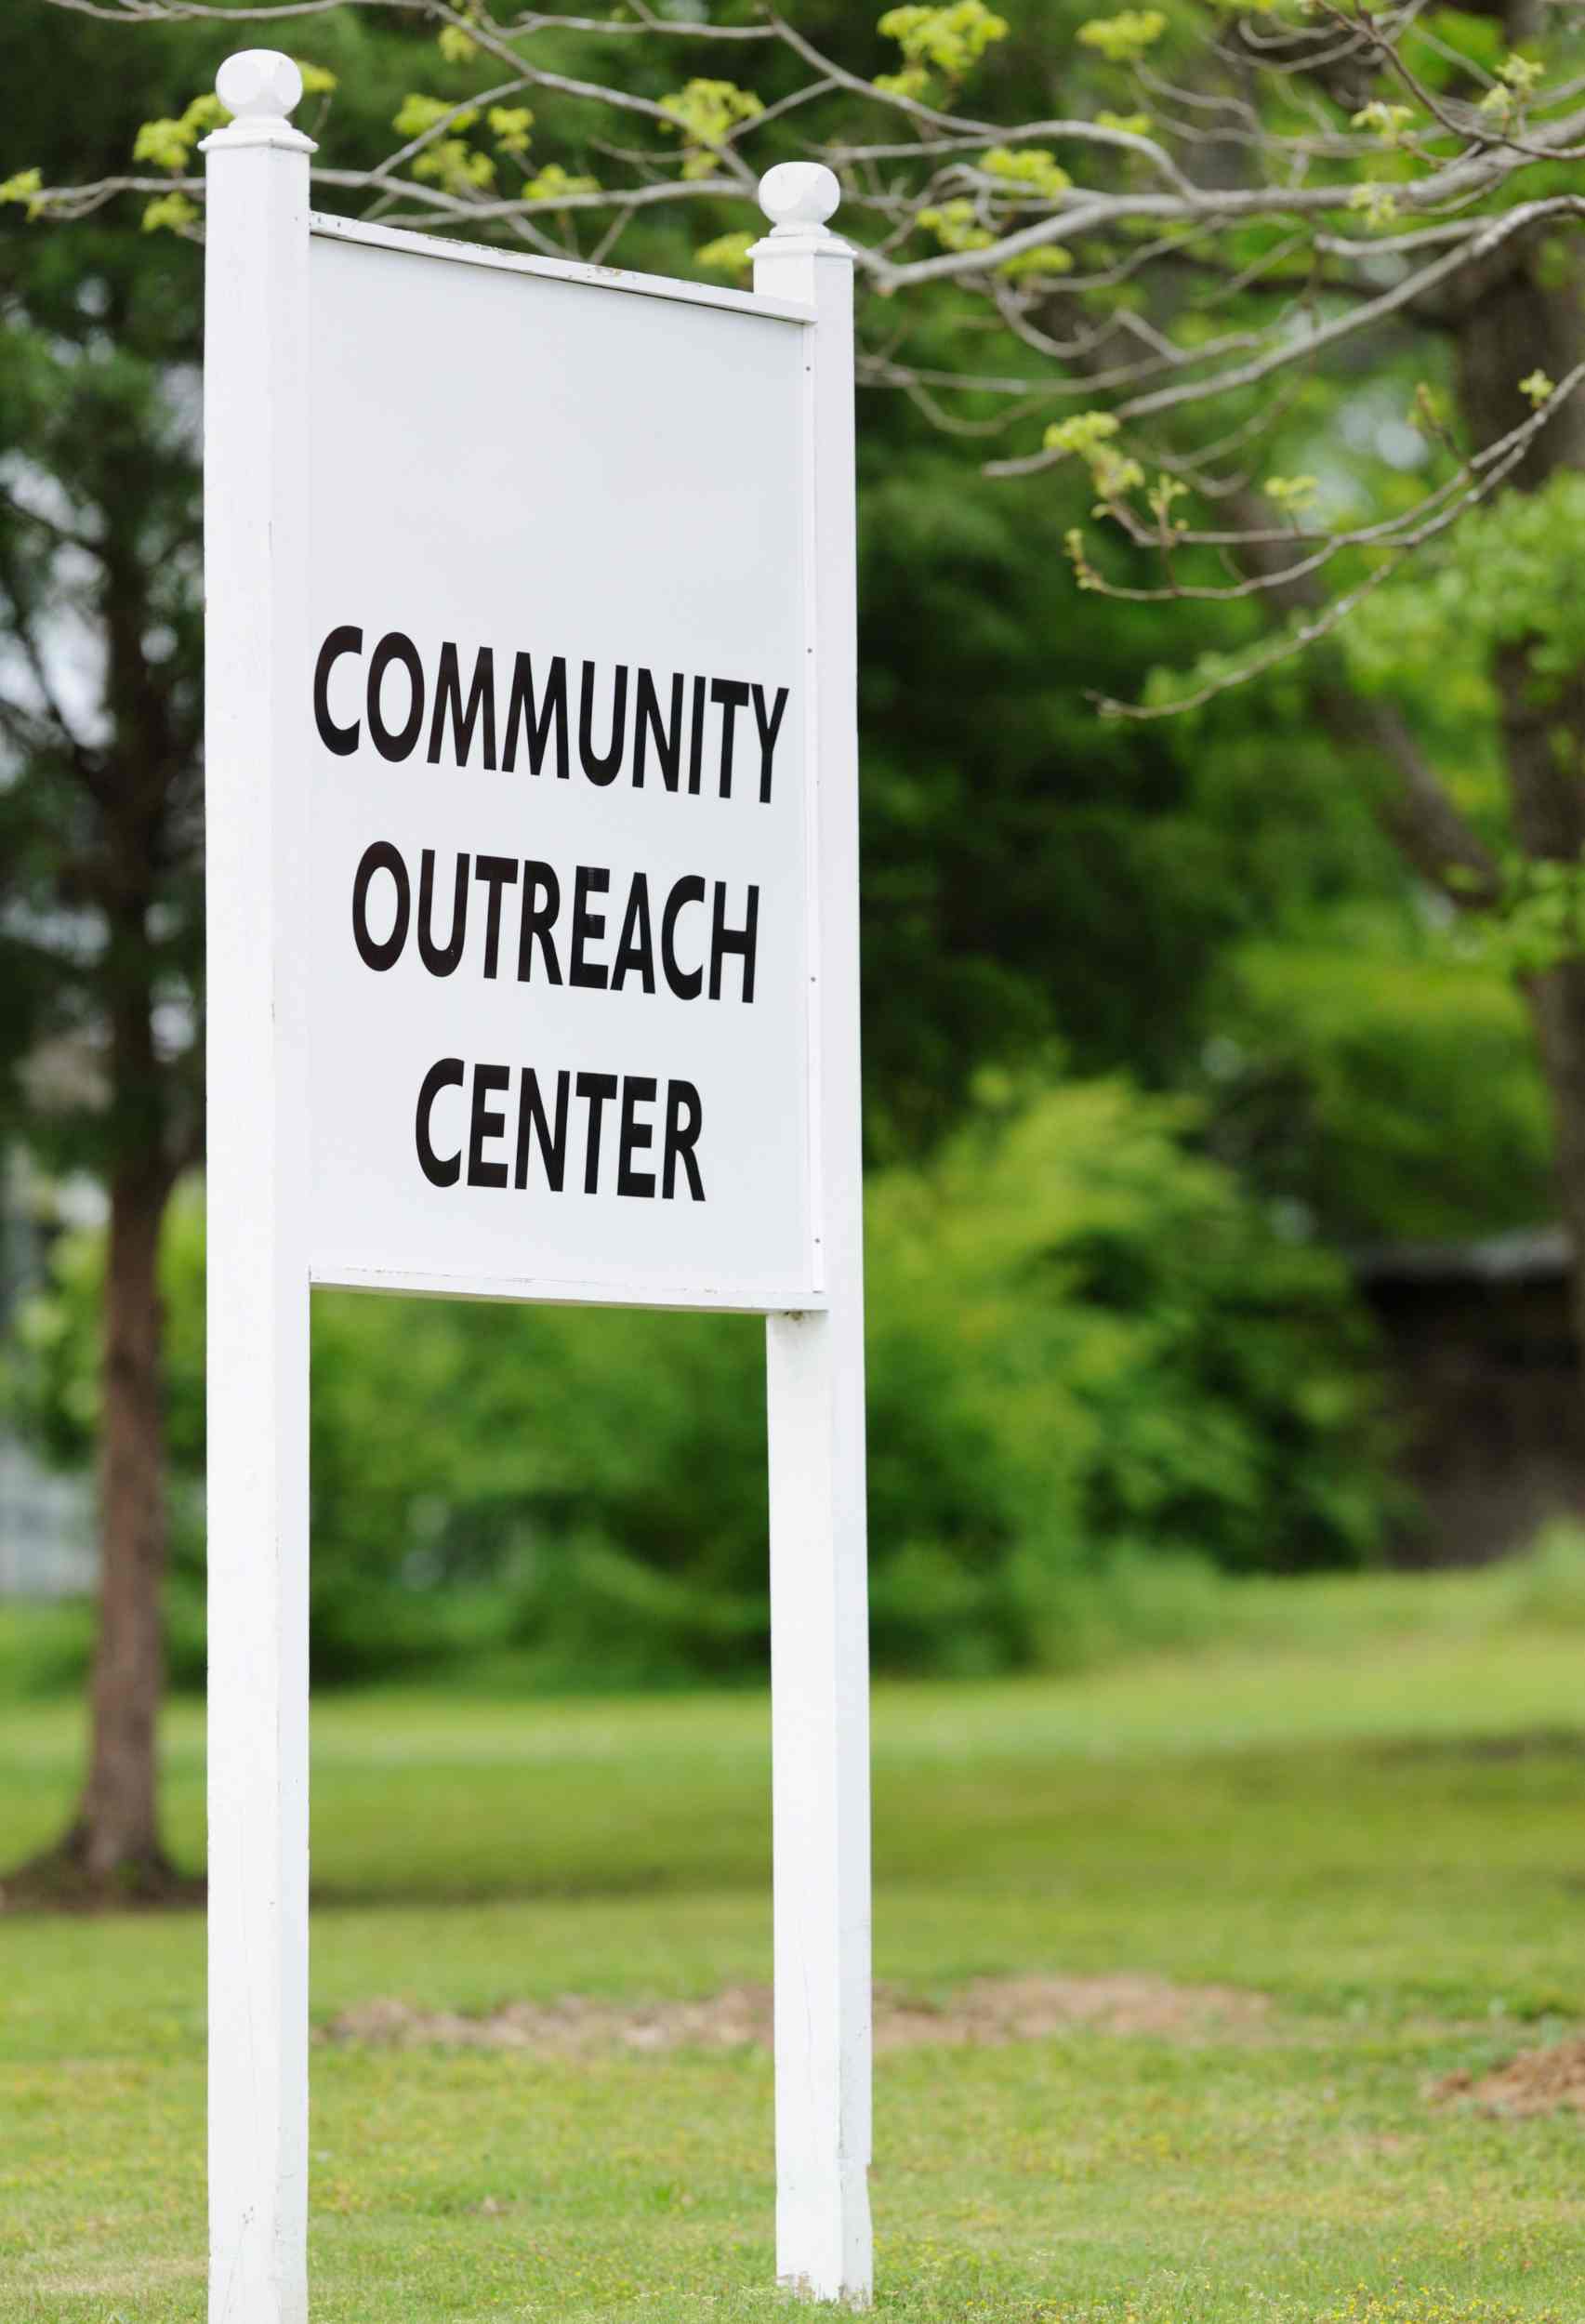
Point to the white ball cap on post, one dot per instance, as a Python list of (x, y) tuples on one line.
[(260, 88), (259, 82), (798, 198)]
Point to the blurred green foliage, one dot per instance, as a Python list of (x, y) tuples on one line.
[(1364, 1052), (1387, 1087), (1086, 1345), (1105, 1357), (1037, 882), (1129, 1606), (1034, 879)]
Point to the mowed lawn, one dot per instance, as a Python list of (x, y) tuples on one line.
[(1383, 1834)]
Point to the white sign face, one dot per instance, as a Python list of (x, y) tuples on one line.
[(558, 909)]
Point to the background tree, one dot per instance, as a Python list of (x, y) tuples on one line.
[(102, 802), (1231, 232), (101, 825), (1036, 884)]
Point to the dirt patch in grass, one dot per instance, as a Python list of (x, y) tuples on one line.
[(1537, 2081), (989, 2011)]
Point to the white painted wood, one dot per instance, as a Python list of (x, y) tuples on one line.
[(263, 495), (549, 531), (750, 1297), (819, 1648), (615, 278), (256, 442)]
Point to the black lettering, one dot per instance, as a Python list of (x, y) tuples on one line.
[(530, 1115), (769, 729), (394, 647), (447, 1075), (696, 739), (742, 940), (602, 769), (538, 919), (481, 711), (496, 872), (380, 856), (636, 949), (587, 927), (342, 740), (535, 723), (596, 1087), (732, 696), (646, 725), (439, 961), (684, 1117), (687, 890), (636, 1090), (486, 1122)]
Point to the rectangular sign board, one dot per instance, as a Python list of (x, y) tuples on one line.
[(559, 900)]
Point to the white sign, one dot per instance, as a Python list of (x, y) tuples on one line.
[(558, 905), (532, 973)]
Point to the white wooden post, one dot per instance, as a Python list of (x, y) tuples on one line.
[(256, 454), (819, 1631)]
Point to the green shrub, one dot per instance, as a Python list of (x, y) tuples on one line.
[(1096, 1371), (1386, 1083)]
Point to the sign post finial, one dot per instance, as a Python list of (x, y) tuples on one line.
[(797, 197), (260, 88)]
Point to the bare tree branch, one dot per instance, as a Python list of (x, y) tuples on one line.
[(1333, 188)]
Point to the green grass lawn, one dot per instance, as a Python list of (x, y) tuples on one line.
[(1381, 1831)]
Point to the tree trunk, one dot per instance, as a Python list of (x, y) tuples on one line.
[(115, 1842), (1557, 1011), (1513, 323)]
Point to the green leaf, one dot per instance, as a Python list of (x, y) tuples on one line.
[(418, 113), (1123, 38), (951, 40), (553, 181), (172, 210), (727, 254), (24, 187), (167, 144), (1029, 168), (510, 125), (706, 112), (955, 226)]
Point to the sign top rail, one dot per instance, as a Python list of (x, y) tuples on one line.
[(425, 245)]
